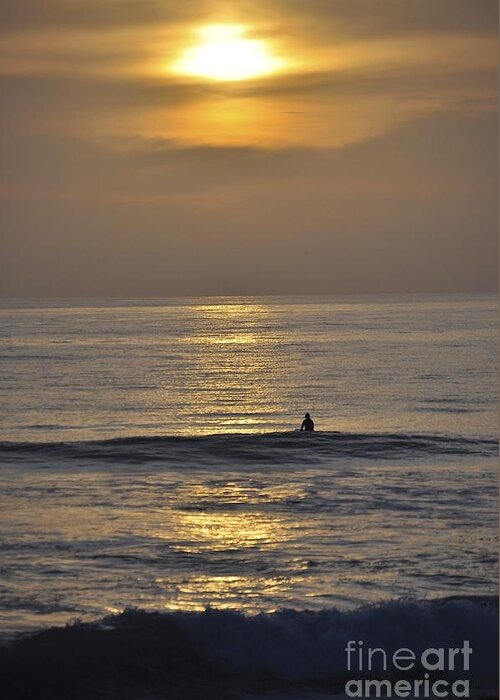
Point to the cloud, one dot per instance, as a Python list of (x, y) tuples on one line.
[(112, 82), (384, 18), (360, 18), (98, 15), (370, 165)]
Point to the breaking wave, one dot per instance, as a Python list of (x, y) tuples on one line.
[(222, 654)]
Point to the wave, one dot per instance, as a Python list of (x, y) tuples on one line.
[(269, 448), (220, 654)]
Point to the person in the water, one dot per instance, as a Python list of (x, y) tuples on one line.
[(307, 423)]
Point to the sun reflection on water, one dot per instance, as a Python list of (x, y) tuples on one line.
[(202, 531), (224, 592)]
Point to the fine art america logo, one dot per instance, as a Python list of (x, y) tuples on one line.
[(432, 662)]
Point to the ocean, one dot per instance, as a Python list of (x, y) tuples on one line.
[(163, 517)]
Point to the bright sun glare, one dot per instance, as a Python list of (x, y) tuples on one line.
[(226, 54)]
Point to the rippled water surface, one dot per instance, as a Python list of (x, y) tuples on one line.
[(72, 371), (136, 472)]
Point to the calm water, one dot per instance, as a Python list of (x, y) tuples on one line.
[(70, 371), (149, 458)]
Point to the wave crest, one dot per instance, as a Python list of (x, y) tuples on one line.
[(270, 448), (216, 648)]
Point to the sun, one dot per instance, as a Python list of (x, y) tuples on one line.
[(225, 53)]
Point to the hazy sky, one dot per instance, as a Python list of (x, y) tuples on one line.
[(157, 147)]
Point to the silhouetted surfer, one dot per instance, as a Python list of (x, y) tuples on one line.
[(307, 423)]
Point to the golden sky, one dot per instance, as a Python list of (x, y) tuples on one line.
[(200, 144)]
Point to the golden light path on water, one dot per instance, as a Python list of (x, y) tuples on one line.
[(163, 518), (254, 541)]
